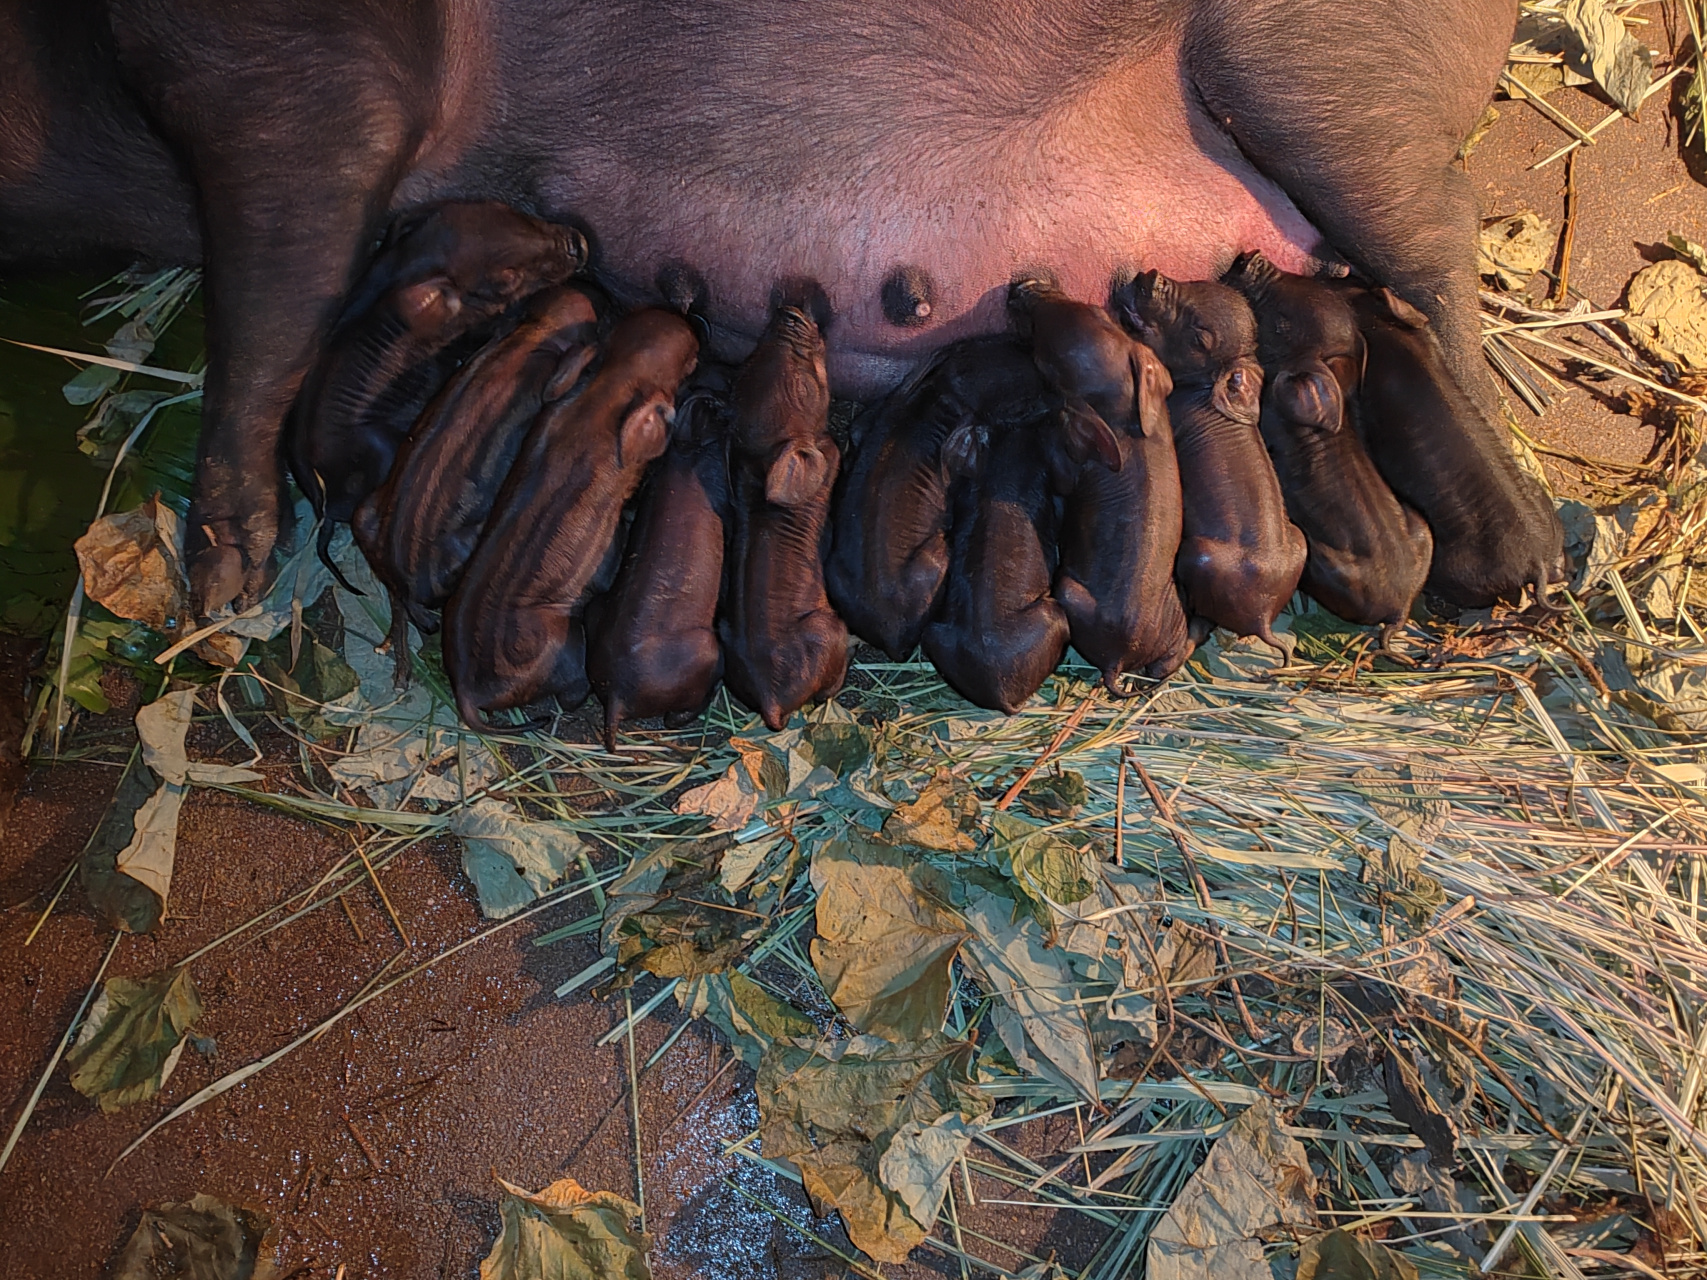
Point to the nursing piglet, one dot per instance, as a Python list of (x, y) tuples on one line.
[(419, 528), (1369, 553), (998, 632), (890, 550), (651, 639), (1114, 461), (513, 626), (416, 315), (1240, 558), (783, 644), (1495, 531)]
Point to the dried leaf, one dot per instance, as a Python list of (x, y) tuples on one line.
[(833, 1111), (132, 564), (1038, 1021), (1339, 1255), (749, 1017), (1514, 249), (199, 1239), (121, 902), (1666, 312), (917, 1163), (1408, 798), (1255, 1178), (1619, 63), (567, 1233), (886, 938), (132, 1039), (729, 801), (669, 914), (511, 861), (945, 816)]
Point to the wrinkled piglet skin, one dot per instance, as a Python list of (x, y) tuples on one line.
[(513, 630), (1111, 453), (420, 310), (998, 631), (1368, 552), (783, 644), (1240, 558), (420, 527), (890, 548), (652, 648), (1495, 531)]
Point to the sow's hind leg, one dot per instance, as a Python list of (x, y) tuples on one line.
[(295, 123), (1375, 172)]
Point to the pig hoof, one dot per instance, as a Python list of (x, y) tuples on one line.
[(216, 578), (907, 297)]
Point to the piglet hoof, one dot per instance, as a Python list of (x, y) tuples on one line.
[(216, 578)]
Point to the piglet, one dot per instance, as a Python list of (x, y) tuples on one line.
[(997, 632), (783, 644), (890, 550), (1369, 553), (513, 626), (652, 640), (417, 313), (1115, 463), (419, 528), (1495, 531), (1240, 558)]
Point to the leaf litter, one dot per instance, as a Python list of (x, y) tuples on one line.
[(1431, 924)]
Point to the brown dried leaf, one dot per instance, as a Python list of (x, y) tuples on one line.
[(132, 564)]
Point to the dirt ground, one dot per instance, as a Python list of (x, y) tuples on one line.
[(374, 1148)]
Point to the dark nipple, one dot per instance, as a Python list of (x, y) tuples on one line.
[(907, 297)]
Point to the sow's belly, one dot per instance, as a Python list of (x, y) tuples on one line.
[(1124, 174)]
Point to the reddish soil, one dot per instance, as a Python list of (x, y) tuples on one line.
[(374, 1148)]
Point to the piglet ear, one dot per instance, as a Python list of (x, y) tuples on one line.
[(1402, 311), (1087, 437), (796, 475), (963, 451), (1311, 398), (645, 431), (428, 302), (1154, 385), (568, 371), (1238, 391)]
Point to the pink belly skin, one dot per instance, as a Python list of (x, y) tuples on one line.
[(1117, 178)]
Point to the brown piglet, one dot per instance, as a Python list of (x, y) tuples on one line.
[(1369, 553), (1495, 530), (424, 305), (998, 632), (420, 527), (513, 626), (783, 645), (1240, 558), (1113, 458), (652, 638)]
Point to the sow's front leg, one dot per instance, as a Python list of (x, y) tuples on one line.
[(295, 121)]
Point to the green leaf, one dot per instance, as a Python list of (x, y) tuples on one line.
[(1055, 795), (202, 1238), (131, 1041), (1041, 863), (567, 1233), (834, 1111), (887, 938)]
